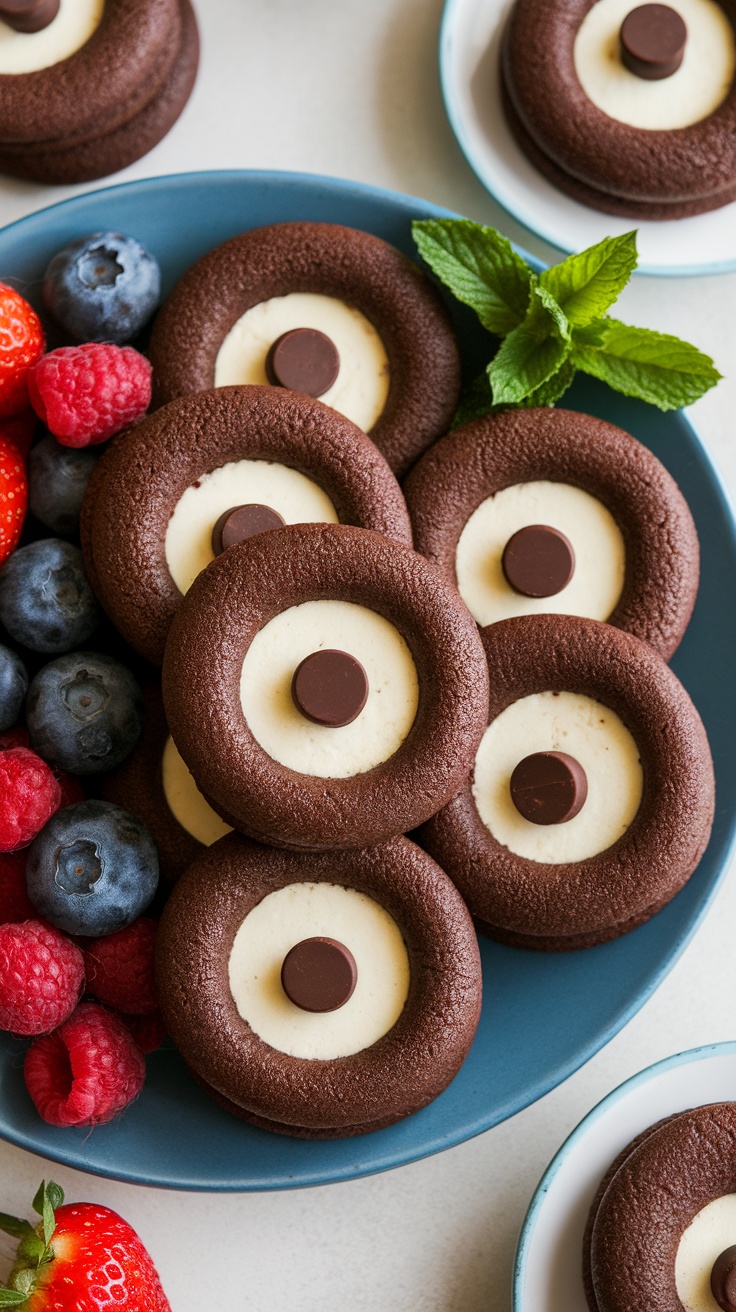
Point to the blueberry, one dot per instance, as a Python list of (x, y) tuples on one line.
[(13, 686), (92, 869), (102, 288), (84, 712), (58, 478), (46, 602)]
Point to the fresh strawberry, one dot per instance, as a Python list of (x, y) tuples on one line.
[(21, 344), (13, 497), (80, 1257), (19, 430)]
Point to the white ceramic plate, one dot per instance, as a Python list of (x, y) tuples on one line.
[(469, 53), (547, 1273)]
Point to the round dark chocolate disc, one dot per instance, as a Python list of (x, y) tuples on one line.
[(549, 788), (653, 41), (319, 974), (28, 15), (305, 360), (241, 522), (330, 687), (538, 561), (723, 1279)]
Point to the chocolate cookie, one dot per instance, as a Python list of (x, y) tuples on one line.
[(65, 162), (399, 319), (109, 101), (531, 875), (598, 158), (159, 491), (322, 1066), (247, 729), (155, 785), (636, 1241), (632, 555)]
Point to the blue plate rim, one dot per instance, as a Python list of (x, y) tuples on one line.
[(444, 1141), (689, 1056), (456, 121)]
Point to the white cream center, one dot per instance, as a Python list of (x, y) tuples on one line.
[(282, 730), (302, 911), (359, 392), (596, 584), (26, 52), (699, 86), (594, 736), (710, 1232), (184, 800), (188, 543)]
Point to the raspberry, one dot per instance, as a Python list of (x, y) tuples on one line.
[(15, 737), (86, 1071), (13, 497), (21, 343), (41, 977), (119, 967), (15, 903), (29, 796), (148, 1031), (88, 393)]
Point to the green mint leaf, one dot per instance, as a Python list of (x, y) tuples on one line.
[(15, 1226), (592, 334), (480, 267), (550, 392), (532, 353), (11, 1298), (652, 366), (585, 285)]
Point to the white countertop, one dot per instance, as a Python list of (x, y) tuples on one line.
[(350, 88)]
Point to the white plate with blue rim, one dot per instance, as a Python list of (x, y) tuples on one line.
[(548, 1267), (469, 72)]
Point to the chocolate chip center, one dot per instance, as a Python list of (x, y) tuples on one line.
[(319, 974), (723, 1280), (538, 561), (241, 522), (29, 15), (305, 360), (549, 788), (330, 688), (653, 41)]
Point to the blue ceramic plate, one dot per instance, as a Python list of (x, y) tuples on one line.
[(469, 57), (174, 1135), (547, 1272)]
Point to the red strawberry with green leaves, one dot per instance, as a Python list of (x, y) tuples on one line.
[(13, 497), (81, 1257)]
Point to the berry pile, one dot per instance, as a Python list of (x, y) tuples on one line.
[(76, 874)]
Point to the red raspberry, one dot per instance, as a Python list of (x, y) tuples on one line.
[(21, 343), (86, 394), (86, 1071), (148, 1031), (15, 903), (13, 497), (119, 967), (41, 977), (29, 796), (15, 737), (19, 431)]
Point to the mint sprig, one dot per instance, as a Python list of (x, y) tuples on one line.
[(555, 323)]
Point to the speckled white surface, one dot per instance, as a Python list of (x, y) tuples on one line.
[(351, 89)]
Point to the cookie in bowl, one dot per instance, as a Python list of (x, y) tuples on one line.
[(319, 995), (156, 787), (661, 1228), (592, 794), (325, 686), (210, 469), (551, 510), (88, 86), (320, 308), (628, 108)]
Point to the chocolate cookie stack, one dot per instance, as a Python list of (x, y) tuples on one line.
[(88, 86)]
